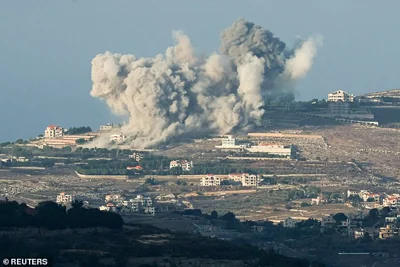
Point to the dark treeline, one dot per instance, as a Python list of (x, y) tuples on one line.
[(52, 216), (79, 130)]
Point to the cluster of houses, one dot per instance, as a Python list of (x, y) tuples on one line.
[(7, 159), (246, 179), (186, 165), (144, 204), (372, 200), (352, 224), (117, 203)]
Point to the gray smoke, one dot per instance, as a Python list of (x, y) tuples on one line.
[(178, 93)]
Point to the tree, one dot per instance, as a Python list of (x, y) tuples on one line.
[(80, 141), (339, 217), (214, 214), (385, 211), (51, 215), (176, 171), (230, 216), (374, 213)]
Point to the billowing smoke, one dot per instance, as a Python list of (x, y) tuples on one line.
[(181, 94)]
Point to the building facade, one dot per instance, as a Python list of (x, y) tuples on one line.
[(340, 95), (107, 127), (63, 198), (339, 107), (53, 131), (186, 165), (210, 180)]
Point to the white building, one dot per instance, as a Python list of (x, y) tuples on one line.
[(340, 95), (230, 143), (289, 223), (318, 200), (53, 131), (250, 180), (376, 197), (107, 127), (274, 149), (117, 137), (184, 164), (391, 201), (63, 198), (237, 177), (210, 180), (136, 156), (114, 198)]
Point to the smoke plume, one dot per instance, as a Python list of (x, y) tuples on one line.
[(181, 94)]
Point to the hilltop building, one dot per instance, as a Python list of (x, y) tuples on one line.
[(53, 131), (340, 95), (184, 164), (107, 127)]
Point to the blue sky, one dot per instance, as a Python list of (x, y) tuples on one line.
[(46, 47)]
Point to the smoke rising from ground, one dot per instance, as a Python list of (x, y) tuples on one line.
[(179, 93)]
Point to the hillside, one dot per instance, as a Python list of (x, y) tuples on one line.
[(394, 93), (135, 245)]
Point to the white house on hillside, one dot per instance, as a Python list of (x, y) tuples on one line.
[(53, 131), (210, 180), (340, 95)]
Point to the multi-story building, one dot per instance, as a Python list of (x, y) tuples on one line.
[(250, 180), (53, 131), (230, 141), (141, 204), (289, 223), (339, 107), (184, 164), (237, 177), (63, 198), (210, 180), (245, 178), (328, 221), (340, 95)]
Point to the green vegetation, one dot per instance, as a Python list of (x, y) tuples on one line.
[(78, 130), (51, 215), (107, 167)]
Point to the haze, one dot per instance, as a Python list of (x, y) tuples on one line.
[(47, 46)]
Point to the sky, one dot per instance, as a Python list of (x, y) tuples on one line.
[(46, 48)]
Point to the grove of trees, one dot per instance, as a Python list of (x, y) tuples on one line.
[(52, 216)]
